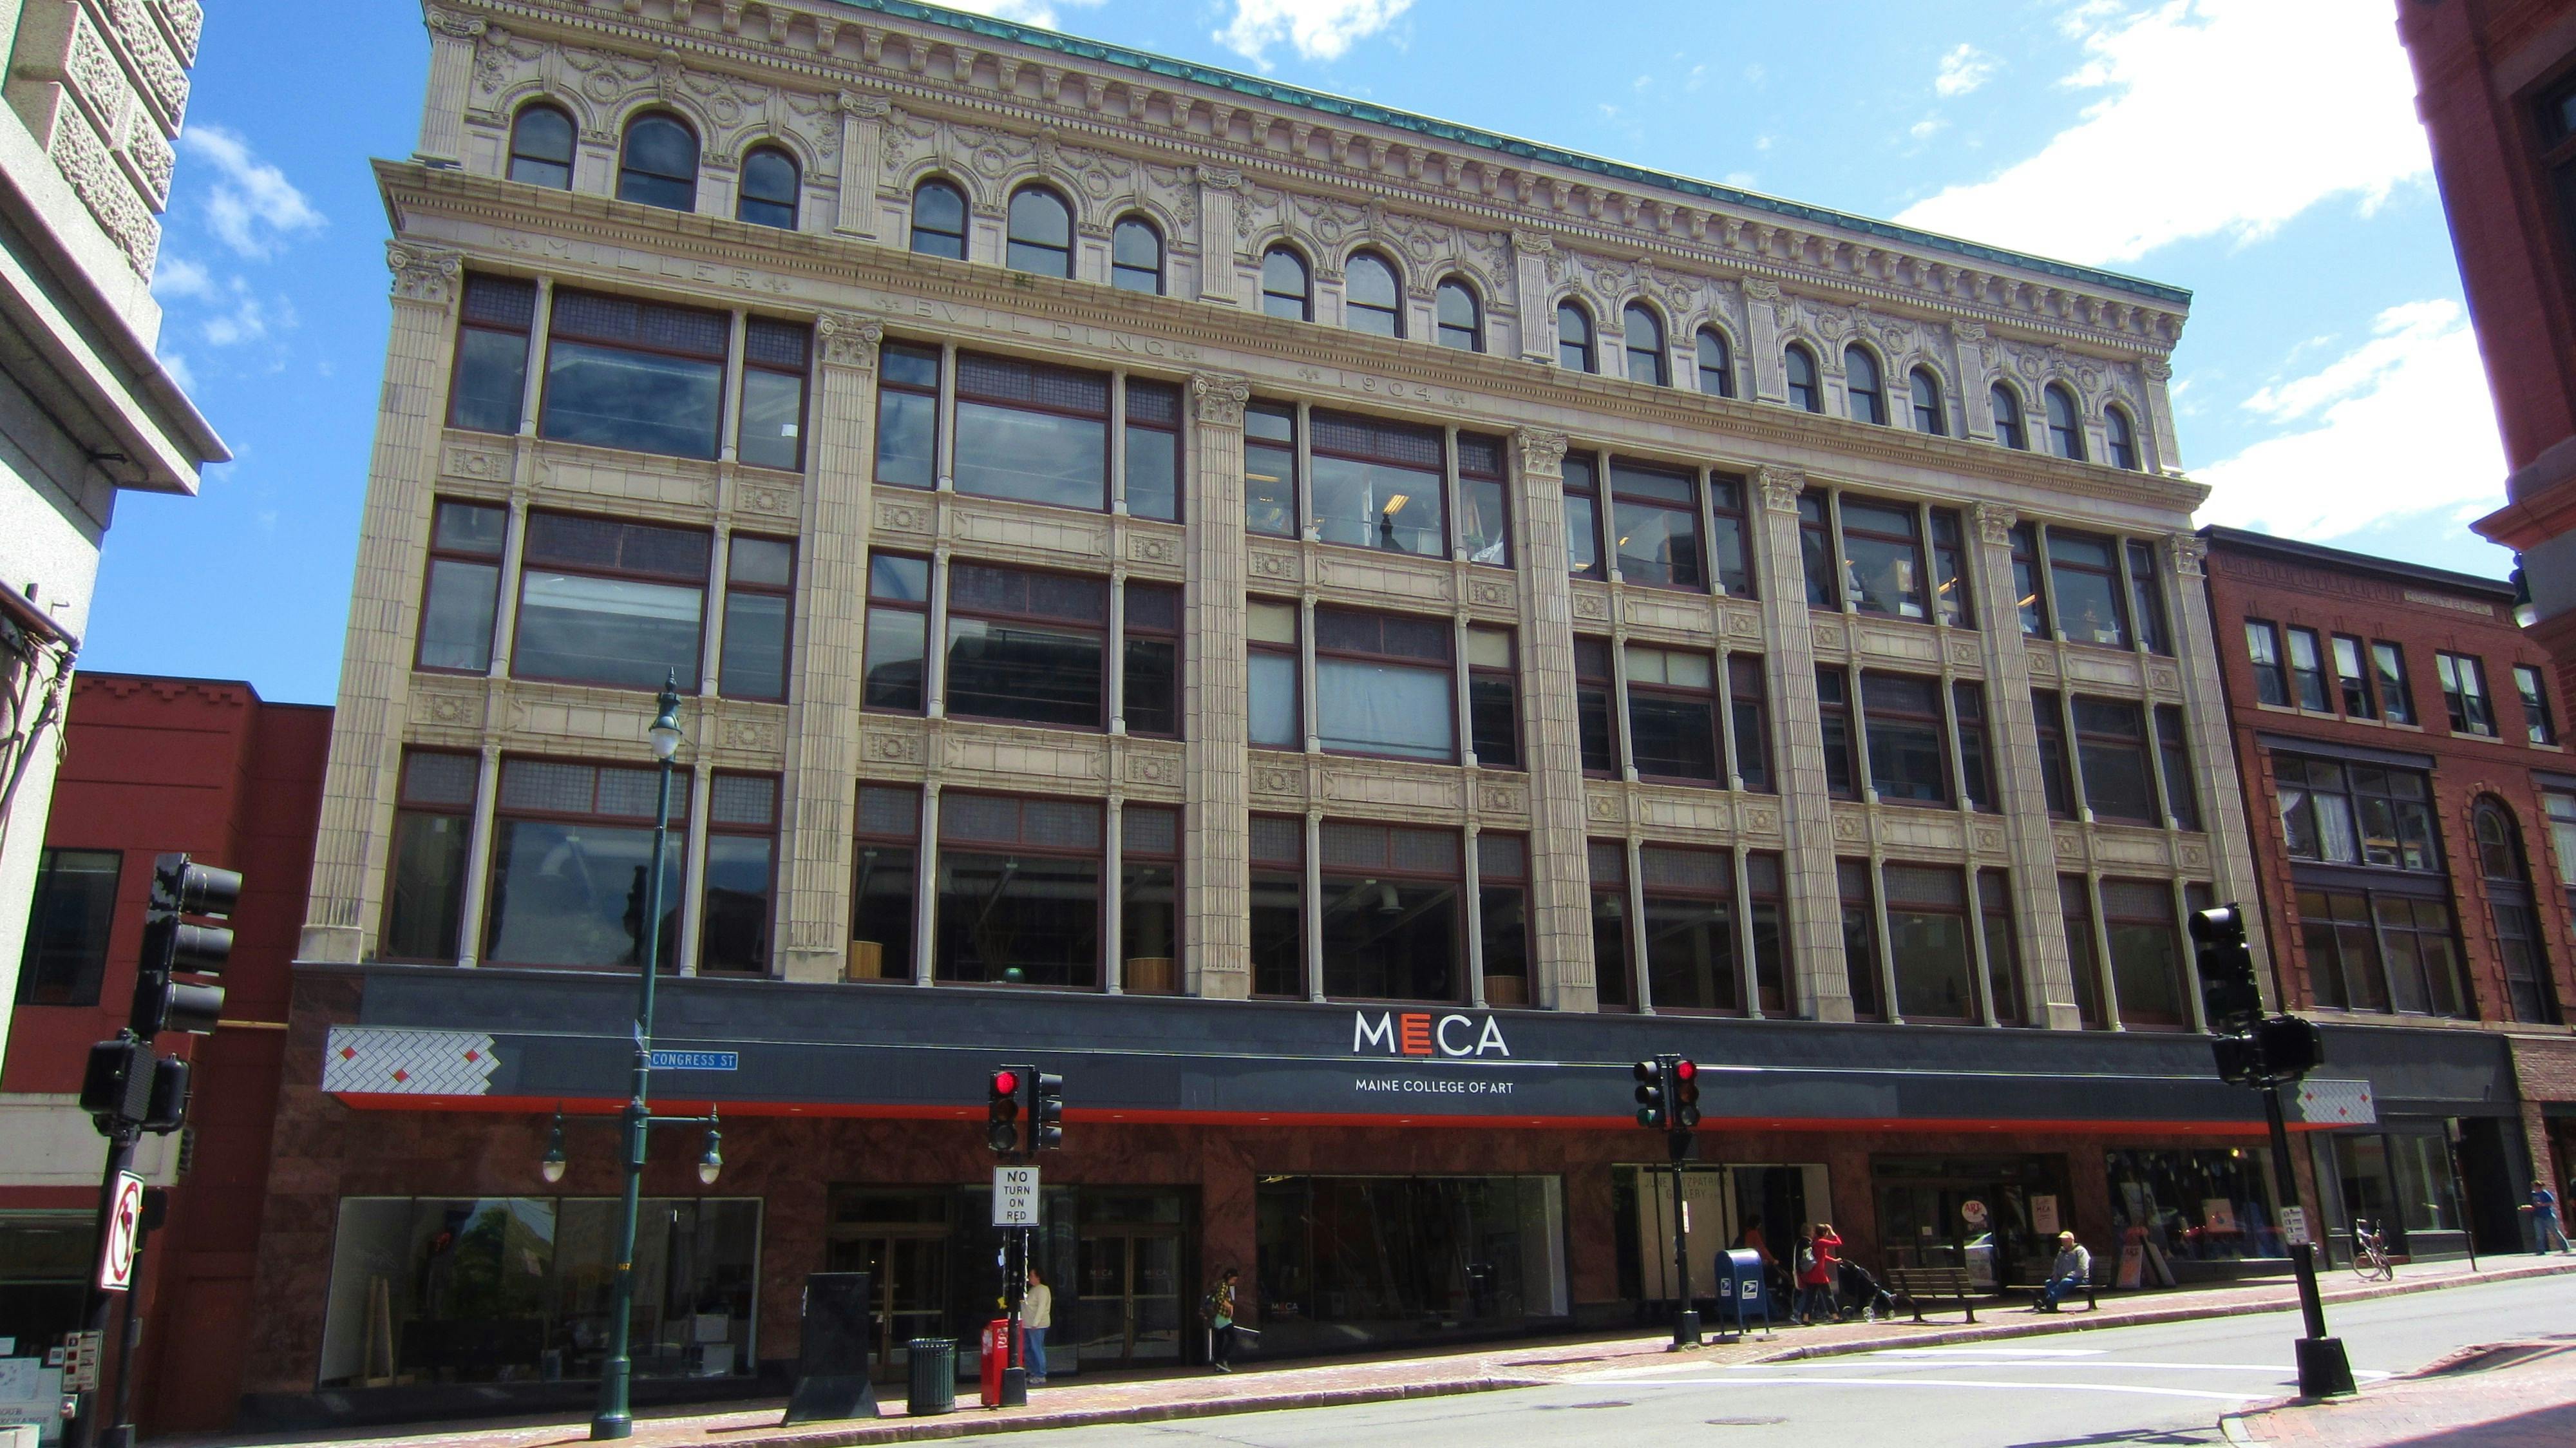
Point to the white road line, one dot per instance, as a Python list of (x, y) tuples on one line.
[(2027, 1352), (2041, 1365), (1948, 1383)]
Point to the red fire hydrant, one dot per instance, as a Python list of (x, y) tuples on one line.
[(996, 1357)]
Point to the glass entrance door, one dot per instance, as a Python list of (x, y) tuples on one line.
[(1131, 1309), (908, 1278)]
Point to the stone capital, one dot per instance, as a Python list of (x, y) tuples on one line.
[(424, 274), (1220, 397), (867, 105), (2188, 550), (848, 339), (1532, 243), (2156, 369), (1218, 178), (1994, 524), (1542, 452), (1781, 488), (449, 22), (1762, 289)]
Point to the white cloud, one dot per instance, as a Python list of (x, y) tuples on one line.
[(1963, 70), (242, 315), (176, 276), (2399, 427), (1319, 29), (2202, 128), (1926, 128), (253, 208)]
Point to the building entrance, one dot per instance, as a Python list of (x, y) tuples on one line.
[(1131, 1307), (1924, 1214), (900, 1239)]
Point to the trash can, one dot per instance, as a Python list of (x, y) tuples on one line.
[(934, 1376)]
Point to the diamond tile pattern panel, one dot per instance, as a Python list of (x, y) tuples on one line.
[(378, 1061)]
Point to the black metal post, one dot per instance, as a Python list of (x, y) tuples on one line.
[(84, 1430), (1015, 1365), (2460, 1194), (2324, 1371), (119, 1433), (1686, 1320)]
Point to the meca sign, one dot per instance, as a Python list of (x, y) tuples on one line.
[(1419, 1033)]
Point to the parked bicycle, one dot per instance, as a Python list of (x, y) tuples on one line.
[(2370, 1253)]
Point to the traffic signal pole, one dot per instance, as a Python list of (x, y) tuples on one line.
[(1686, 1321), (2303, 1255), (84, 1430)]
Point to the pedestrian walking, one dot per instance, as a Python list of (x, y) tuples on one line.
[(1218, 1311), (2072, 1270), (2544, 1220), (1037, 1313), (1817, 1269)]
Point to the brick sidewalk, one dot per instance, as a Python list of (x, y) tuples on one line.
[(1084, 1401), (2499, 1395)]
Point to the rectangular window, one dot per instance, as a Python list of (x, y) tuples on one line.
[(1382, 685), (775, 359), (611, 603), (1484, 517), (1583, 516), (1595, 722), (1392, 926), (2084, 575), (1816, 550), (2083, 949), (2263, 654), (1882, 558), (898, 632), (2146, 953), (2111, 750), (1691, 945), (1950, 571), (884, 882), (1654, 513), (2147, 598), (644, 376), (2048, 714), (1860, 938), (1377, 485), (1153, 470), (1672, 714), (2537, 720), (2003, 952), (1270, 470), (1032, 432), (2396, 695), (1976, 748), (1606, 861), (1767, 901), (1833, 710), (1502, 910), (1270, 633), (1726, 539), (1278, 848), (2464, 692), (1909, 760), (433, 827), (1928, 938), (1149, 899), (1150, 694), (2308, 670), (2562, 834), (462, 591), (1749, 714), (2422, 952), (1019, 890), (2028, 590), (2173, 752), (2344, 971), (2355, 814), (1027, 647), (570, 851), (1493, 698), (491, 383), (72, 914), (907, 415), (742, 874), (2353, 679), (760, 592)]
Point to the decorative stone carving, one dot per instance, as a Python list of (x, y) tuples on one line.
[(1542, 452), (1220, 397), (891, 748), (866, 105), (424, 274), (2187, 550), (482, 464), (1781, 487), (1994, 524), (450, 22), (848, 340)]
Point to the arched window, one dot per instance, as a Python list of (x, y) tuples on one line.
[(1136, 256), (939, 220), (1928, 416), (2065, 425), (2008, 428), (2120, 438), (1283, 285), (659, 163), (1371, 301), (541, 147), (1716, 364), (1041, 233), (1644, 335), (1462, 323), (1860, 380), (1573, 338), (2528, 989), (1800, 366), (768, 189)]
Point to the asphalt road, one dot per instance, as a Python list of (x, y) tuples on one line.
[(2164, 1384)]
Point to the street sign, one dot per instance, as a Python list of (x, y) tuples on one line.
[(124, 1225), (1015, 1196), (2294, 1226), (697, 1060)]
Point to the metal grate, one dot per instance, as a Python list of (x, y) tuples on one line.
[(997, 379), (1704, 871), (1153, 402), (439, 778), (1480, 457), (1376, 441), (1277, 841), (625, 321), (1146, 829), (549, 785), (775, 344), (567, 540), (889, 812), (1502, 857), (500, 302), (1919, 886), (744, 799), (1427, 852), (1607, 862)]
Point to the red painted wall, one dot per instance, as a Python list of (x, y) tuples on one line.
[(152, 765)]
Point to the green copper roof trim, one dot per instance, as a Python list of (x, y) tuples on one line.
[(1451, 131)]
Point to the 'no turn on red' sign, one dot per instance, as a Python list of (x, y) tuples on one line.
[(124, 1228)]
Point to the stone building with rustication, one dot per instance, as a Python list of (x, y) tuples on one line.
[(1333, 630)]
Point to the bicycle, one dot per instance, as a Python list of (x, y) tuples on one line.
[(2370, 1254)]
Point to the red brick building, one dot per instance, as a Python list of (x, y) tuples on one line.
[(157, 764), (2412, 802)]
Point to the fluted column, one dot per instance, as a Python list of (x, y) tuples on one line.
[(823, 687), (2213, 759), (2048, 981), (1216, 894), (1219, 188), (862, 151), (1806, 811), (452, 37), (1762, 326), (1976, 357), (375, 661), (1530, 251), (1560, 886), (2156, 372)]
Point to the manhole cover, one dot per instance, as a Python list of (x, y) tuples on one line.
[(1744, 1422)]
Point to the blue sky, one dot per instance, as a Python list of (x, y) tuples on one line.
[(2327, 386)]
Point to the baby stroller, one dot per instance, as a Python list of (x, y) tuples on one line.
[(1861, 1293)]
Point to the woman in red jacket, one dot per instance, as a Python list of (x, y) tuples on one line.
[(1816, 1272)]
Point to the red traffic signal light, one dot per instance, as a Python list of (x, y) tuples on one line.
[(1002, 1110), (1686, 1069), (1006, 1082), (1685, 1093)]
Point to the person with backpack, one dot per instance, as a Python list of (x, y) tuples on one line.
[(1817, 1268), (1217, 1311)]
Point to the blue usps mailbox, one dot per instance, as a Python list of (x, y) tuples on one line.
[(1741, 1289)]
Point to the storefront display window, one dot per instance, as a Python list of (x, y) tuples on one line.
[(2400, 1181), (1996, 1216), (2196, 1206), (45, 1263), (1345, 1261)]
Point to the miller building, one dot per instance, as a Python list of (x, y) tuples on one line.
[(1334, 630)]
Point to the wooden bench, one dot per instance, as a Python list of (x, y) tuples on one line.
[(2096, 1282), (1953, 1284)]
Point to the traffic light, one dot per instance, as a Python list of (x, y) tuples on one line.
[(2290, 1047), (174, 945), (1046, 1111), (1002, 1110), (2228, 989), (168, 1109), (1683, 1092), (2240, 1060), (118, 1081), (1653, 1110)]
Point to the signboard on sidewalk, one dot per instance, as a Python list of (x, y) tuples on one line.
[(124, 1227), (1015, 1196)]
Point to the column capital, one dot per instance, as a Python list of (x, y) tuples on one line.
[(2156, 369), (1762, 289), (849, 339), (1532, 243), (866, 105), (1994, 524), (1220, 397), (1781, 487), (449, 22), (424, 274), (2188, 550), (1542, 452)]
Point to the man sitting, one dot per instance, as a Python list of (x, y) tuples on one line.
[(2074, 1268)]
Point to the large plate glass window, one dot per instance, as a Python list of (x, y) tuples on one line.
[(1026, 646), (462, 590), (2146, 953), (1032, 433), (1929, 941), (491, 381), (2084, 574), (1691, 944), (1019, 890), (643, 376), (1655, 516), (571, 847), (605, 602), (1382, 685), (1391, 912), (760, 594), (1270, 634), (1378, 485), (1672, 714)]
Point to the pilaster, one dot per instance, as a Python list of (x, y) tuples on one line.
[(2213, 757), (2156, 373), (1814, 903), (862, 151), (2047, 983), (1762, 364), (1560, 883), (1976, 359), (1530, 251), (1217, 891), (452, 38)]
